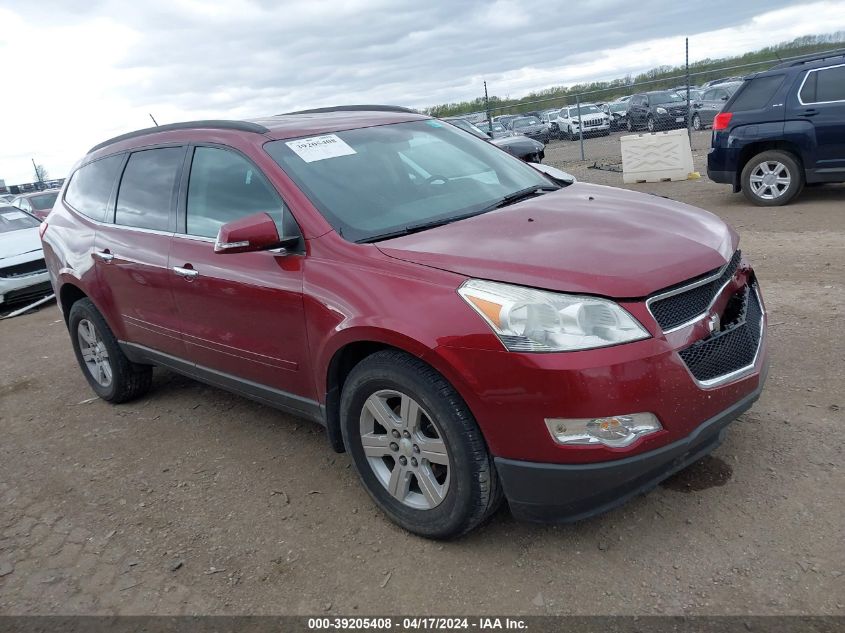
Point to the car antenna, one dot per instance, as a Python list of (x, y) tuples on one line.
[(154, 119)]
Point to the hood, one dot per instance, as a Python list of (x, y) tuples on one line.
[(583, 238), (16, 243)]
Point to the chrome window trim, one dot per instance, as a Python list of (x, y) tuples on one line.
[(686, 288), (736, 374), (113, 225), (803, 81)]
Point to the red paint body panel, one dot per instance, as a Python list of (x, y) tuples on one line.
[(583, 238), (243, 314)]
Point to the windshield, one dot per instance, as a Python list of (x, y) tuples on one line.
[(44, 201), (13, 219), (585, 109), (377, 180), (525, 121), (468, 127), (618, 107), (665, 97)]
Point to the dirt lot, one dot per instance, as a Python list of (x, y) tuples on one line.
[(196, 501)]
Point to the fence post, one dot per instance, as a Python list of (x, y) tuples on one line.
[(689, 105), (580, 125), (487, 110)]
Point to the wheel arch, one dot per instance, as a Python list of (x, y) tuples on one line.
[(752, 149), (355, 346), (69, 294)]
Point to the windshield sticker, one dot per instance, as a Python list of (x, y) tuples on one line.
[(317, 148), (14, 215)]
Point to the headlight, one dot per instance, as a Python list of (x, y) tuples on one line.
[(661, 110), (529, 320)]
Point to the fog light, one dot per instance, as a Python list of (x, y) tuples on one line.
[(616, 431)]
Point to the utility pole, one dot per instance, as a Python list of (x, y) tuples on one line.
[(487, 110)]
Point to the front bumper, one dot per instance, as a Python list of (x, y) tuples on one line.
[(564, 493), (15, 290)]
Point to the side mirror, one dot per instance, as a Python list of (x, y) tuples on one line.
[(255, 232), (725, 98)]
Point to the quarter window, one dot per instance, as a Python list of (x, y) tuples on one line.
[(755, 94), (91, 186), (827, 84), (224, 187), (147, 189)]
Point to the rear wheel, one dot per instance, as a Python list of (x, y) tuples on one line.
[(772, 178), (110, 373), (417, 448), (696, 122)]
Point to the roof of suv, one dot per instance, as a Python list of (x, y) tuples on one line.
[(289, 125), (804, 62)]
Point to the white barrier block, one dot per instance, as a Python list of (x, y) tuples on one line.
[(656, 157)]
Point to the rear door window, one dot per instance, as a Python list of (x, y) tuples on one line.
[(148, 189), (824, 85), (757, 93), (91, 186)]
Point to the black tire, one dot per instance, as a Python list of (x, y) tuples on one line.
[(629, 125), (696, 123), (791, 166), (649, 124), (473, 493), (128, 380)]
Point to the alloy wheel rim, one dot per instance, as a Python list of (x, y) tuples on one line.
[(405, 449), (696, 122), (770, 180), (650, 124), (94, 353)]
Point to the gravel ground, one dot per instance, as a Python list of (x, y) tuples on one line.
[(195, 501)]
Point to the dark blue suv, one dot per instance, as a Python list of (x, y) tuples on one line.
[(782, 129)]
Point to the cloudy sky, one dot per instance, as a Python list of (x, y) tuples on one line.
[(77, 72)]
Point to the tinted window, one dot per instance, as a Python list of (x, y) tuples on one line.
[(224, 187), (824, 85), (13, 219), (44, 201), (757, 93), (146, 190), (90, 187), (664, 97)]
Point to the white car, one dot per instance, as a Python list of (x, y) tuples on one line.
[(595, 121), (23, 273)]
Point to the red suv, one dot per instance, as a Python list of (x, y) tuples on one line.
[(467, 326)]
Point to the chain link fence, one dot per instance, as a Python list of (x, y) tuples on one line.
[(586, 125)]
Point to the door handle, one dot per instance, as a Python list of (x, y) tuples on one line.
[(810, 112), (187, 273), (103, 256)]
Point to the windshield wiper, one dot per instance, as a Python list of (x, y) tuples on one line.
[(511, 198), (416, 228), (517, 196)]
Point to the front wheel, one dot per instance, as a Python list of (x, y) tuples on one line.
[(629, 125), (416, 447), (650, 126), (110, 373), (772, 178)]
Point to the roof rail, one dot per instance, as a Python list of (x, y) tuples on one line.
[(355, 108), (813, 57), (243, 126)]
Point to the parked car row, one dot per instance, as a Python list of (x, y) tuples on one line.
[(23, 273)]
